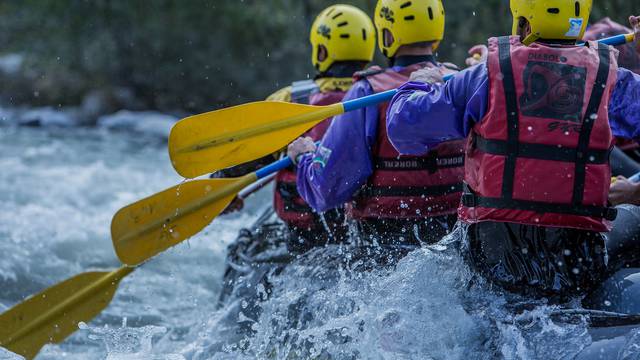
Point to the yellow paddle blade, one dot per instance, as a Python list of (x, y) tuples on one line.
[(52, 315), (220, 139), (152, 225)]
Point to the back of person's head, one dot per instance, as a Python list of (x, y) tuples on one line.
[(413, 23), (341, 33), (629, 57), (550, 20)]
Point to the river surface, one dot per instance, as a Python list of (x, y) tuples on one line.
[(60, 188)]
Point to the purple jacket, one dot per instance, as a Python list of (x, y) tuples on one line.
[(463, 101), (343, 161)]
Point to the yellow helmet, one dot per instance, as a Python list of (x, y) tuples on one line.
[(552, 19), (341, 33), (408, 22)]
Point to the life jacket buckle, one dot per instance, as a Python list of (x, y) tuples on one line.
[(469, 199)]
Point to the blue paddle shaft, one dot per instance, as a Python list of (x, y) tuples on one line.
[(273, 168), (375, 99), (615, 40)]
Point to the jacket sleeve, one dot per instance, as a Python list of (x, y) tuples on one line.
[(624, 106), (342, 162), (422, 116)]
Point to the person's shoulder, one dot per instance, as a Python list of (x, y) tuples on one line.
[(283, 94), (626, 75), (371, 71), (360, 88)]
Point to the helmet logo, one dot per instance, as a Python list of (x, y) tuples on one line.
[(575, 27), (387, 14), (553, 91), (325, 31)]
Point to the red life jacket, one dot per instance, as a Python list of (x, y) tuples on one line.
[(289, 205), (540, 156), (408, 187)]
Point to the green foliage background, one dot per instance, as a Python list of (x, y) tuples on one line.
[(197, 55)]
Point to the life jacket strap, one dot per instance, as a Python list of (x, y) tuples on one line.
[(471, 200), (410, 191), (590, 117), (540, 151)]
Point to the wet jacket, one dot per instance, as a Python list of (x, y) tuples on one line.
[(289, 206), (408, 187)]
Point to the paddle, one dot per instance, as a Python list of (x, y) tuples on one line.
[(237, 204), (204, 143), (53, 314), (154, 224)]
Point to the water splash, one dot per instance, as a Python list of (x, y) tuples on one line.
[(8, 355), (429, 306), (126, 343)]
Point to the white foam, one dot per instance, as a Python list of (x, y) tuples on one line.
[(11, 63), (148, 122), (8, 355), (47, 116)]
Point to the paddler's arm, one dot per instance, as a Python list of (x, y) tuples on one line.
[(421, 116), (328, 177), (624, 106)]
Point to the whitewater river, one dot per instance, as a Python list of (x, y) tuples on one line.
[(60, 188)]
